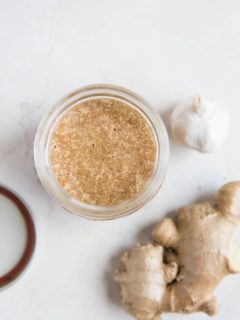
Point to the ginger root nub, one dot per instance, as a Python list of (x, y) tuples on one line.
[(165, 233)]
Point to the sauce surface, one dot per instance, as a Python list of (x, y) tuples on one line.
[(102, 152)]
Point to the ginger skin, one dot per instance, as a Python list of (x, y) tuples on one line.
[(201, 243), (144, 279)]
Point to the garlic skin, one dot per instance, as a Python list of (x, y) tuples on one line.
[(199, 124)]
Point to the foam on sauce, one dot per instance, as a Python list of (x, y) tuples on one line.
[(102, 152)]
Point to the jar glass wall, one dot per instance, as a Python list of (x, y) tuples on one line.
[(51, 118)]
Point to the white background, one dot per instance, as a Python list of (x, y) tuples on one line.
[(165, 51)]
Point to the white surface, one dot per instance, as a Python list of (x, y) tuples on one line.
[(164, 50), (13, 235)]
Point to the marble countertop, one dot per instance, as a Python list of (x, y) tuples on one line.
[(164, 50)]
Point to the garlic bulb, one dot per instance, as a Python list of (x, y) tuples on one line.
[(199, 124)]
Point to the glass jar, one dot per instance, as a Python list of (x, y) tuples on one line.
[(100, 91)]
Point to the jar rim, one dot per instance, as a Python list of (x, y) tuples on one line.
[(85, 93)]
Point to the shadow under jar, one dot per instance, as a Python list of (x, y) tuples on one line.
[(101, 152)]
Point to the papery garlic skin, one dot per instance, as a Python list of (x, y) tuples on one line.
[(199, 124)]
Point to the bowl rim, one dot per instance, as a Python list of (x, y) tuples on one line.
[(17, 270)]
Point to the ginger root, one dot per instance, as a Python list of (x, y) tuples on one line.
[(144, 280), (189, 257)]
